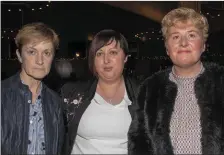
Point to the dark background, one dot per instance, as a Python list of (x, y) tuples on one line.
[(77, 22)]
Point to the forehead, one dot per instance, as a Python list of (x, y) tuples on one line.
[(183, 25), (112, 44), (35, 44)]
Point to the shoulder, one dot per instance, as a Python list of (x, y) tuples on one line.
[(214, 68), (213, 71), (158, 78), (80, 86), (7, 82), (131, 80), (51, 93)]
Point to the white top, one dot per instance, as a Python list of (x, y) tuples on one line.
[(103, 128)]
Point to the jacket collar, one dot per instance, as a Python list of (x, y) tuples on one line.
[(18, 84), (131, 88)]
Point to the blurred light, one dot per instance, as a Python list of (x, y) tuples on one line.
[(146, 32), (144, 38), (90, 37), (207, 13), (9, 10), (40, 8), (32, 9), (20, 10), (11, 30), (152, 31), (77, 55), (47, 5), (218, 15), (64, 68), (2, 37), (4, 31)]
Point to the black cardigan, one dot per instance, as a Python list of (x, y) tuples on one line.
[(149, 131), (77, 97)]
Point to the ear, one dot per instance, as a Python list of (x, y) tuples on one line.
[(126, 59), (203, 48), (167, 52), (19, 56)]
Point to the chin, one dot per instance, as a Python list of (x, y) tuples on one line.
[(185, 65), (38, 76)]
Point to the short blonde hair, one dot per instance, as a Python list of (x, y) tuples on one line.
[(181, 15), (36, 32)]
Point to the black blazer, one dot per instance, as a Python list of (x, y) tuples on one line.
[(77, 97), (15, 117)]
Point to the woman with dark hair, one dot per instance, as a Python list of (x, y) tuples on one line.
[(99, 111)]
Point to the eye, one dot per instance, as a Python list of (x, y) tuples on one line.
[(192, 35), (31, 52), (98, 54), (47, 53), (175, 37), (113, 52)]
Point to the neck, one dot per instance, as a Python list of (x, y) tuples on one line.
[(110, 85), (33, 84), (188, 71)]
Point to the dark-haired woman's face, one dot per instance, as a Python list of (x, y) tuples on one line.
[(109, 62)]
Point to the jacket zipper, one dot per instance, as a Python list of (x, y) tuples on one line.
[(26, 120), (45, 128)]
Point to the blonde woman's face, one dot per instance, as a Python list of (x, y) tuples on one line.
[(184, 44), (36, 59)]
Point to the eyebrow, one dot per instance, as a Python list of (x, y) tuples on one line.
[(50, 50), (29, 47), (194, 31), (187, 31)]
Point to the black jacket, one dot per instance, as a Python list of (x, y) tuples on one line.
[(15, 117), (77, 97), (149, 131)]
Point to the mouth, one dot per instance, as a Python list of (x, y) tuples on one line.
[(184, 51), (39, 68), (107, 69)]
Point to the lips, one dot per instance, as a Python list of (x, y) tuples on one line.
[(108, 69), (184, 51), (39, 68)]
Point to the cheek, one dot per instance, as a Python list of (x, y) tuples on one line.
[(119, 63), (97, 64), (170, 46), (198, 46), (48, 63)]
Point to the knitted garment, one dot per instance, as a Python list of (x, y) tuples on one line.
[(185, 126)]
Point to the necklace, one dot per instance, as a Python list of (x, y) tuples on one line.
[(110, 100)]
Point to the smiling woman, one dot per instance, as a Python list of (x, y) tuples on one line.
[(178, 105)]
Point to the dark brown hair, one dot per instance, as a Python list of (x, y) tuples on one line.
[(102, 38)]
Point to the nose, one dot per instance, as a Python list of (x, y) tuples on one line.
[(184, 41), (39, 59), (106, 58)]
